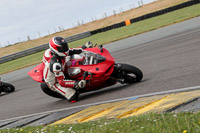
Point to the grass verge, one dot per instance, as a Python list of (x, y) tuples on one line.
[(112, 35), (148, 123)]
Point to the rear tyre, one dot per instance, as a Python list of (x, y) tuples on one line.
[(50, 92), (8, 87), (131, 74)]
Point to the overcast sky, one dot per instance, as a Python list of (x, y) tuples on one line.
[(22, 18)]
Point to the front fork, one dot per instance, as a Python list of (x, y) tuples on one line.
[(118, 74)]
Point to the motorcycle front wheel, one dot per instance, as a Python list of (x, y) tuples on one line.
[(130, 74)]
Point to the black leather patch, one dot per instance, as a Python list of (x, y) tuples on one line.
[(54, 59)]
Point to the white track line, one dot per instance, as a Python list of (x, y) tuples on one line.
[(102, 102)]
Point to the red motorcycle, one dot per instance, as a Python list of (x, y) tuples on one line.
[(97, 67)]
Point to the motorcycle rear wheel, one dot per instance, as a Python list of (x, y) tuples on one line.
[(50, 92), (131, 73)]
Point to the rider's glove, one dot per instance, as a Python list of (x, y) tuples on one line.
[(80, 84), (87, 45)]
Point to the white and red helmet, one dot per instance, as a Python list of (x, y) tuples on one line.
[(59, 46)]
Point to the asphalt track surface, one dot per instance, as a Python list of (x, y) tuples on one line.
[(169, 58)]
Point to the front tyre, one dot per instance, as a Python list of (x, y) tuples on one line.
[(129, 73)]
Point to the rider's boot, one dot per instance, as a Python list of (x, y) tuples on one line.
[(74, 98), (68, 93)]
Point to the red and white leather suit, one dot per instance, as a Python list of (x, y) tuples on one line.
[(54, 76)]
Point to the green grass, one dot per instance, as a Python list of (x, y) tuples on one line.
[(21, 62), (112, 35), (148, 123)]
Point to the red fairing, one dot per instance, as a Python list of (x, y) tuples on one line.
[(102, 67), (101, 71), (37, 73)]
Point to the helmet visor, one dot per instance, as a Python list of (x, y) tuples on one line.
[(64, 48)]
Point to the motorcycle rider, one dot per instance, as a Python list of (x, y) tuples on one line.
[(55, 59)]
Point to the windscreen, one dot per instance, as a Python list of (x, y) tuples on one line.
[(89, 58)]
